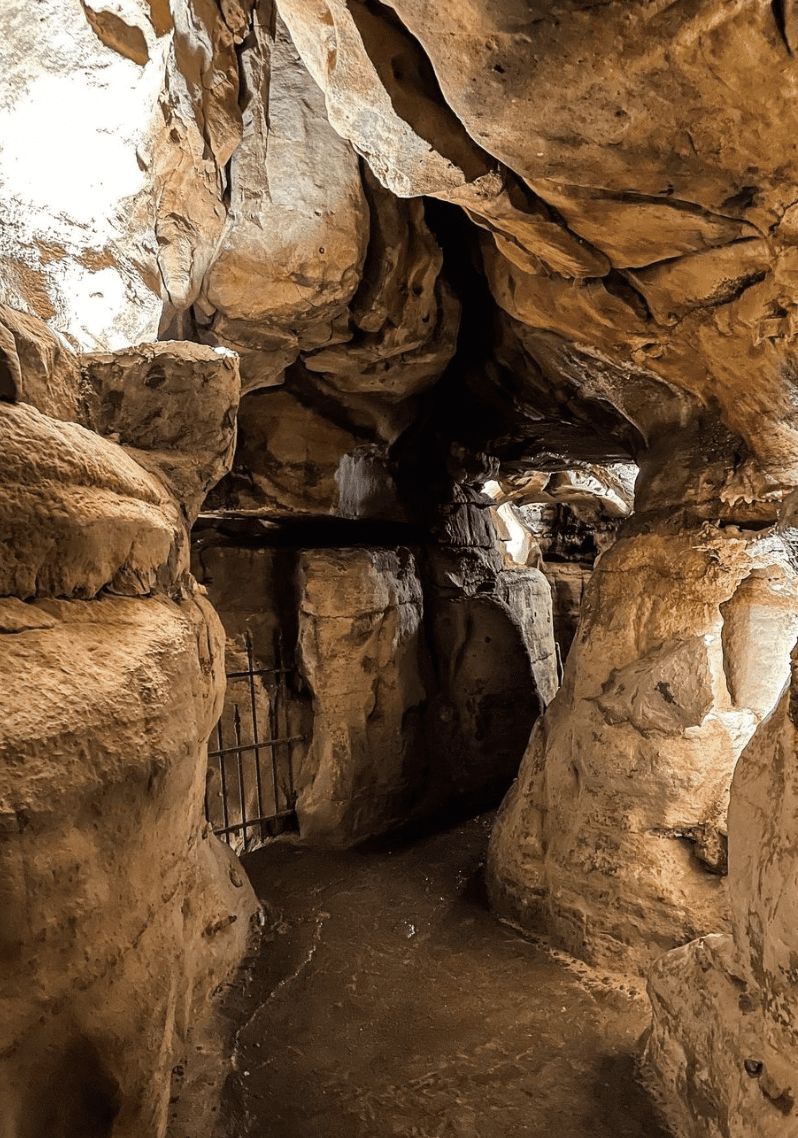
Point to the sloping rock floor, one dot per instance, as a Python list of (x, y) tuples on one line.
[(388, 1001)]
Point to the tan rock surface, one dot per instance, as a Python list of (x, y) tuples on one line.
[(80, 89), (172, 406), (79, 515), (118, 124), (362, 653), (724, 1046), (37, 367), (121, 915), (291, 252), (404, 316), (613, 835)]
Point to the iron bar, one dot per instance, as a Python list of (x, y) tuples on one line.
[(254, 746), (222, 774), (255, 822), (239, 764), (256, 672), (275, 688), (259, 789)]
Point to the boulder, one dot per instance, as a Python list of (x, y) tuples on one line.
[(121, 913)]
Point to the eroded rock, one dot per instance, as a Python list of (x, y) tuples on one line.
[(121, 913), (606, 836), (724, 1046), (362, 653)]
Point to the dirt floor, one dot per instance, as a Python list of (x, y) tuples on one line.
[(386, 1000)]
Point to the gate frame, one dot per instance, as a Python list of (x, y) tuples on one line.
[(282, 819)]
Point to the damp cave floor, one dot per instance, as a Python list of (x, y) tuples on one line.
[(385, 999)]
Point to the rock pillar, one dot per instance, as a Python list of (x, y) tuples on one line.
[(121, 913), (613, 837)]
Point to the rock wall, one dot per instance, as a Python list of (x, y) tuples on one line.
[(363, 653), (723, 1051), (122, 913), (614, 835), (453, 245), (406, 697)]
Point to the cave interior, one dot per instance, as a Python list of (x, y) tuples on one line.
[(399, 407)]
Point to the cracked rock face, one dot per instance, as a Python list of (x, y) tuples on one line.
[(122, 912)]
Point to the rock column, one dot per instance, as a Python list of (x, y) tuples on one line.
[(121, 913), (613, 837)]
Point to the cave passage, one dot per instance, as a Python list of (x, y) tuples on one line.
[(387, 1000)]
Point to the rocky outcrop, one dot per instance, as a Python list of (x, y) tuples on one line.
[(610, 204), (122, 912), (614, 835), (291, 252), (723, 1052)]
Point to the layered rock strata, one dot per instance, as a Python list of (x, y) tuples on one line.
[(122, 912)]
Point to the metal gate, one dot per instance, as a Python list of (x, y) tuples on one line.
[(249, 792)]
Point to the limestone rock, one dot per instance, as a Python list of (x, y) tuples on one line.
[(79, 515), (292, 460), (290, 254), (607, 838), (495, 659), (404, 316), (643, 97), (172, 406), (118, 123), (362, 653), (37, 367), (568, 581), (82, 514), (382, 94), (121, 914), (724, 1046), (80, 91)]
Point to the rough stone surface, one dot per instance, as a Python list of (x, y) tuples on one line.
[(614, 834), (362, 653), (83, 513), (724, 1046), (80, 91), (120, 913), (173, 407), (80, 515), (291, 252), (611, 205), (36, 367)]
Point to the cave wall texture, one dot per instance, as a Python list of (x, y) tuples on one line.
[(414, 289)]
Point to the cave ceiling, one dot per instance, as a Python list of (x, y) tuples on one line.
[(554, 234)]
